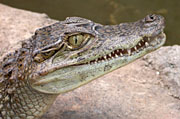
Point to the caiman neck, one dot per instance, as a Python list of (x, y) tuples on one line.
[(17, 99)]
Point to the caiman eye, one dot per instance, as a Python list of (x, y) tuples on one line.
[(44, 55), (75, 41)]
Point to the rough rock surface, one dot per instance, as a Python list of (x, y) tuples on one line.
[(17, 25), (148, 88)]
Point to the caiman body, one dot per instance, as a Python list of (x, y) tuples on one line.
[(68, 54)]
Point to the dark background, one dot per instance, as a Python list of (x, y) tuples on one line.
[(108, 11)]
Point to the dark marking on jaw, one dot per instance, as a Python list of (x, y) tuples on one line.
[(83, 77), (107, 67), (81, 59)]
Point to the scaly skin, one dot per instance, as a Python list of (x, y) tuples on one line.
[(68, 54)]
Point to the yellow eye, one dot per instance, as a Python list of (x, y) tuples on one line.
[(76, 41)]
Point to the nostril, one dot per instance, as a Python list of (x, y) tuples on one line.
[(150, 18)]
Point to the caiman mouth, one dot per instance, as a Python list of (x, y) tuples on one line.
[(146, 42), (60, 81)]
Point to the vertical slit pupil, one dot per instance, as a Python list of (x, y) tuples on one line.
[(76, 40)]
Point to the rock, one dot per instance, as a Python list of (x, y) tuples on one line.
[(17, 25), (167, 63), (145, 89)]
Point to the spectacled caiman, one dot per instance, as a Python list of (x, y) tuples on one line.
[(68, 54)]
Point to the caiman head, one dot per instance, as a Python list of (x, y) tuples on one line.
[(73, 52)]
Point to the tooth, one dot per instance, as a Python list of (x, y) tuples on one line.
[(129, 52), (149, 39), (105, 57), (139, 44), (116, 55), (109, 55), (146, 44), (142, 40), (135, 48), (121, 54)]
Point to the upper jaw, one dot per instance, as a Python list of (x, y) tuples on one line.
[(161, 30), (151, 43)]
